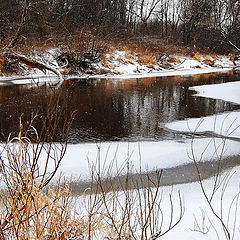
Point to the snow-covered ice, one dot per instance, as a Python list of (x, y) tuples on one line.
[(147, 155), (225, 124), (225, 91)]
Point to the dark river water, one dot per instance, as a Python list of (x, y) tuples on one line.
[(118, 110)]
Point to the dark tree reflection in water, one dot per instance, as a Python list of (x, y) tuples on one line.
[(118, 110)]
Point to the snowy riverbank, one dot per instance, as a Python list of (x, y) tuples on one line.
[(119, 65)]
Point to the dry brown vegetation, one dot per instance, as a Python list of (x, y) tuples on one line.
[(197, 56), (2, 63)]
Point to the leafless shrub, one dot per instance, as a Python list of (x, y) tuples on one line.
[(215, 197), (127, 208), (81, 50)]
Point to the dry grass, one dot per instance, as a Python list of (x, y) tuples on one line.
[(105, 62), (40, 214), (111, 48), (103, 59), (177, 60), (29, 211), (116, 72), (29, 208), (2, 63), (127, 48), (147, 60), (125, 60), (197, 56), (104, 71), (209, 60), (129, 55), (146, 56)]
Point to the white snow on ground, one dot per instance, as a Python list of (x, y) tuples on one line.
[(225, 91), (198, 221), (148, 155), (197, 207), (190, 63)]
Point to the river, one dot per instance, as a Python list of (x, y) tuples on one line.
[(123, 113), (118, 110)]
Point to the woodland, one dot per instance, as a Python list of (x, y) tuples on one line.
[(85, 29)]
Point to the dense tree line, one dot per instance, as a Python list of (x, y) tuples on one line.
[(213, 25)]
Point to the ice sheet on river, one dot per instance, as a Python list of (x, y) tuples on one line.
[(226, 91), (150, 155), (167, 154), (225, 124)]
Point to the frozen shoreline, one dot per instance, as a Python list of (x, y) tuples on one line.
[(40, 78), (163, 73)]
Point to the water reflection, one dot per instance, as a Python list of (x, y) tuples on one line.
[(131, 110)]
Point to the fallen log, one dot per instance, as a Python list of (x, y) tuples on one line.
[(31, 63)]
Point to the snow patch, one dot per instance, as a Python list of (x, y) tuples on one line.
[(198, 216)]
